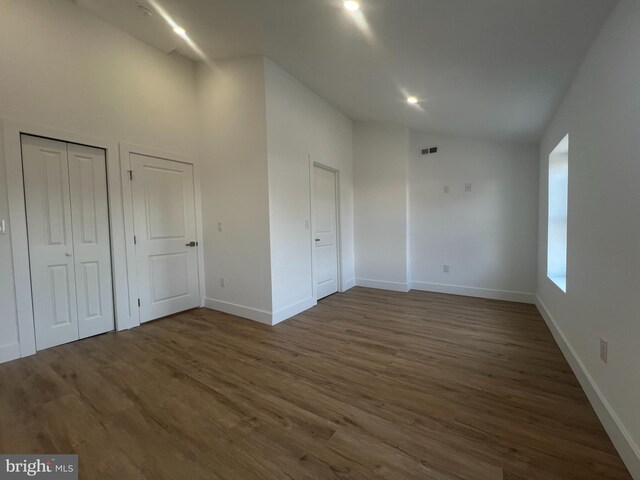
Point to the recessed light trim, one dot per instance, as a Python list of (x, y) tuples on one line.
[(412, 100), (180, 31), (352, 5)]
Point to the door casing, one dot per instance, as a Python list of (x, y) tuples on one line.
[(126, 150)]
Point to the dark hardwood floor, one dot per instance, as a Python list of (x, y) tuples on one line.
[(367, 385)]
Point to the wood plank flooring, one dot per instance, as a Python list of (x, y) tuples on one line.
[(367, 385)]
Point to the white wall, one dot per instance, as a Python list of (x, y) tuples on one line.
[(300, 125), (601, 114), (381, 154), (9, 347), (63, 68), (488, 236), (235, 188)]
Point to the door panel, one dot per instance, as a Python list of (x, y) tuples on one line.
[(169, 276), (325, 232), (46, 182), (164, 197), (164, 223), (91, 239)]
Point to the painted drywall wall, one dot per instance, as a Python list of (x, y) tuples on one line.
[(488, 236), (9, 347), (381, 154), (302, 128), (601, 114), (64, 68), (235, 188)]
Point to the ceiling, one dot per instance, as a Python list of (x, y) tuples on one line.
[(481, 68)]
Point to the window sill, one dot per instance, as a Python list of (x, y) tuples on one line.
[(561, 282)]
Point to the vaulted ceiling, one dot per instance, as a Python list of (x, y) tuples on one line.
[(481, 68)]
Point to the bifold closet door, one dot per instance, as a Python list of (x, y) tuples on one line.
[(53, 282), (92, 251), (69, 250)]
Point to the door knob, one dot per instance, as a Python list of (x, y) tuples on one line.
[(317, 239), (68, 255), (192, 244)]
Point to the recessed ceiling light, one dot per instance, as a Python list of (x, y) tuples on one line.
[(412, 100), (180, 31), (352, 5)]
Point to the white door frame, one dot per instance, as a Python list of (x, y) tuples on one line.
[(125, 159), (120, 213), (312, 190), (12, 132)]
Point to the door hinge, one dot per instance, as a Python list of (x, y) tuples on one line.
[(130, 174), (135, 240), (138, 302)]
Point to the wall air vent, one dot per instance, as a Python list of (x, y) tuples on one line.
[(428, 150)]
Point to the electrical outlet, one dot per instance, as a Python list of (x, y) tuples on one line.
[(445, 268), (222, 282), (604, 350), (467, 187), (445, 189)]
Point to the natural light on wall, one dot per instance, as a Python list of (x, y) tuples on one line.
[(557, 219)]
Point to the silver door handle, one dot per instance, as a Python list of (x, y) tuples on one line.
[(192, 244), (317, 239), (68, 255)]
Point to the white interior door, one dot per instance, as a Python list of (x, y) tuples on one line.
[(53, 284), (325, 231), (165, 227), (91, 243)]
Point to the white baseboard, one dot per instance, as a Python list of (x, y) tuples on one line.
[(627, 448), (262, 316), (292, 310), (509, 296), (254, 314), (348, 284), (382, 285), (9, 352)]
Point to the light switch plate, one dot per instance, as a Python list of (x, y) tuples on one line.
[(3, 226), (604, 350)]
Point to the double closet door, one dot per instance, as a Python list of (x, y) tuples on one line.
[(69, 247)]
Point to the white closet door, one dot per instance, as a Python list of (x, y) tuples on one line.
[(46, 181), (325, 232), (165, 227), (92, 257)]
